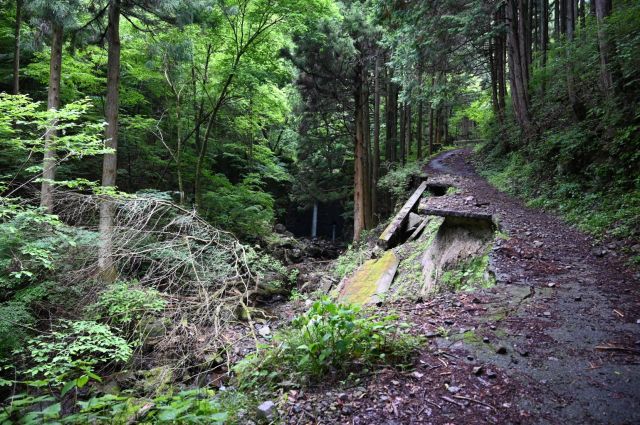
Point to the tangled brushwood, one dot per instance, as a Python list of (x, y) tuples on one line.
[(179, 281)]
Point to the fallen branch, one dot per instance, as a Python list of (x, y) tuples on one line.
[(450, 400), (617, 348), (461, 397)]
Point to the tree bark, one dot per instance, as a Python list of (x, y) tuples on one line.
[(556, 19), (16, 48), (576, 105), (403, 130), (376, 134), (603, 9), (366, 131), (419, 130), (53, 102), (392, 120), (431, 129), (110, 160), (359, 204), (408, 132), (518, 69)]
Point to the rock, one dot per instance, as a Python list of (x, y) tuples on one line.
[(538, 244), (417, 375), (468, 198), (551, 285), (264, 331), (485, 340), (414, 221), (547, 314), (501, 350), (477, 370), (279, 228), (453, 389), (491, 374), (156, 379), (527, 233), (343, 397), (266, 410)]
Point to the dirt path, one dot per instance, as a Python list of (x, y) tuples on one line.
[(557, 340)]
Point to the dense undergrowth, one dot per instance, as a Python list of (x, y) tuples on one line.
[(583, 162)]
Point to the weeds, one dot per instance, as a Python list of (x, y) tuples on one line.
[(328, 340)]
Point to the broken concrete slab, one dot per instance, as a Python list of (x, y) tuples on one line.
[(371, 281), (416, 233), (392, 234)]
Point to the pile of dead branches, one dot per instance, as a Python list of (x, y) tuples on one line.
[(202, 272)]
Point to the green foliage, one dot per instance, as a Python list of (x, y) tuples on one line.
[(15, 321), (396, 182), (355, 255), (242, 208), (71, 350), (199, 406), (329, 338), (124, 304), (468, 275)]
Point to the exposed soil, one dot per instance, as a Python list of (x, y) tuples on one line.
[(556, 340)]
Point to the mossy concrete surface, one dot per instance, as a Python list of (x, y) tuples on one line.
[(371, 281)]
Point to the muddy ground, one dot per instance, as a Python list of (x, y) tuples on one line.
[(556, 340)]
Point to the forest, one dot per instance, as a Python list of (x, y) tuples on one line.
[(189, 187)]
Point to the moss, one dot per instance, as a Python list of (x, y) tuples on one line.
[(469, 275), (471, 338), (409, 277), (363, 285)]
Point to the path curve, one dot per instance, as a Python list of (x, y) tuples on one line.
[(555, 341)]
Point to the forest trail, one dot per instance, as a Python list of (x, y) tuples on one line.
[(556, 340)]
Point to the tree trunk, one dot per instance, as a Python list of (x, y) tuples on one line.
[(359, 185), (16, 48), (392, 120), (375, 172), (544, 38), (366, 131), (517, 63), (431, 130), (53, 102), (603, 9), (109, 163), (419, 130), (403, 130), (576, 105), (408, 132), (556, 19)]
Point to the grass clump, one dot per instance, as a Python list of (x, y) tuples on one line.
[(351, 259), (330, 339), (468, 275)]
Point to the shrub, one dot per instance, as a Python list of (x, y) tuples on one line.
[(72, 349), (192, 406), (351, 259), (125, 303), (15, 319), (396, 181), (329, 338)]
